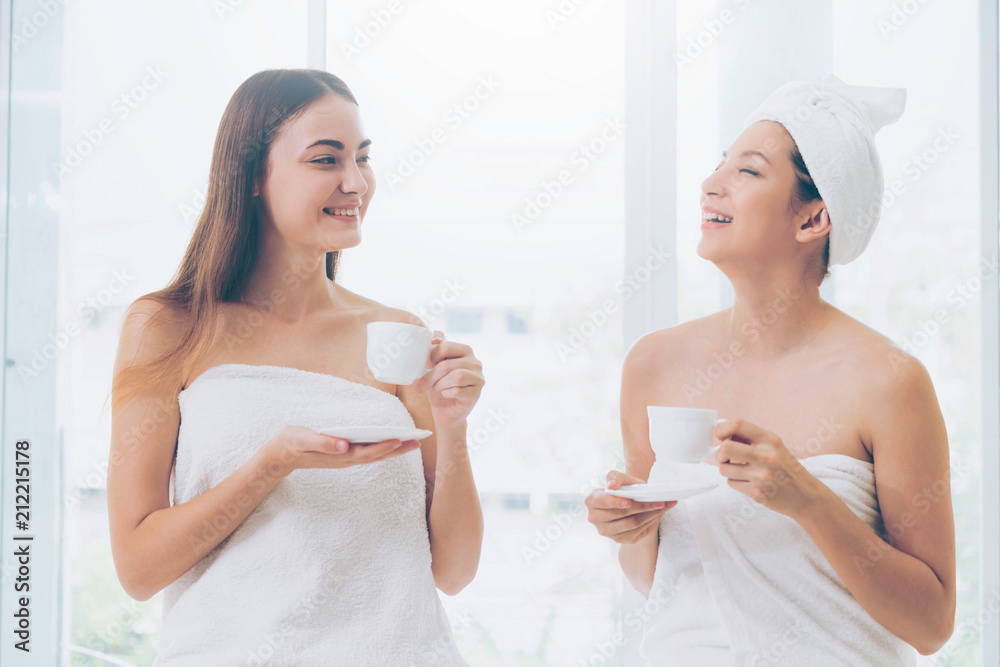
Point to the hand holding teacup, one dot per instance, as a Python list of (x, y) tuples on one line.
[(680, 435), (448, 372)]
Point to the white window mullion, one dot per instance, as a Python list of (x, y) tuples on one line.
[(990, 220), (650, 194), (316, 34)]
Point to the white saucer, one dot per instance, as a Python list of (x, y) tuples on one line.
[(674, 481), (373, 434)]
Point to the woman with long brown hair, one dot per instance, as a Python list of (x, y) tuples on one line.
[(276, 544)]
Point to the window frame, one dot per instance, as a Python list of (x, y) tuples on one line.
[(650, 220)]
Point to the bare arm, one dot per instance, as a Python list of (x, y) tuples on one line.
[(154, 543), (638, 559), (908, 583), (454, 513), (632, 524)]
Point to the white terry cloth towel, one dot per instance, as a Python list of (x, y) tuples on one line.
[(682, 624), (778, 598), (333, 567)]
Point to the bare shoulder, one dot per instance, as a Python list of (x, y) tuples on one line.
[(877, 362), (150, 327), (889, 383), (673, 347), (370, 310)]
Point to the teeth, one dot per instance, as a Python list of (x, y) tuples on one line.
[(715, 217), (343, 211)]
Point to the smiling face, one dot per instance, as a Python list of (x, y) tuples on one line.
[(318, 181), (752, 187)]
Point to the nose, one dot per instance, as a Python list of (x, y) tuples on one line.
[(354, 181), (713, 185)]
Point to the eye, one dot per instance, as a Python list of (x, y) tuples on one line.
[(749, 171), (365, 158), (333, 160)]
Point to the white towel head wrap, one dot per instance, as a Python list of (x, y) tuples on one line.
[(834, 125)]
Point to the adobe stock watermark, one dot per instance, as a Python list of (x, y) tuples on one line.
[(776, 650), (558, 525), (190, 211), (625, 288), (121, 108), (724, 359), (914, 168), (900, 15), (711, 30), (968, 630), (223, 7), (750, 507), (35, 23), (126, 614), (270, 642), (476, 439), (458, 625), (922, 502), (958, 296), (291, 280), (378, 21), (431, 311), (428, 312), (561, 12), (95, 480), (660, 595), (585, 155), (454, 117), (88, 309)]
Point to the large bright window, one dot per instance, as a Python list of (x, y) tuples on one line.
[(503, 216), (498, 133)]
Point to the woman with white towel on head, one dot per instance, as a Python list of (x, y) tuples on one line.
[(275, 544), (831, 539)]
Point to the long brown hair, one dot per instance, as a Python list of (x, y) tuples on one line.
[(224, 248)]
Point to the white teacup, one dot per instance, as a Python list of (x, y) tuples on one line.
[(397, 352), (681, 435)]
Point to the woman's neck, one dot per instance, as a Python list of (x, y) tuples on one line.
[(290, 287), (774, 317)]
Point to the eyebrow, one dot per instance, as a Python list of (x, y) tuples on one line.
[(751, 154), (339, 145)]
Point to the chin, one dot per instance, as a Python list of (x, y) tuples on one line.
[(704, 251), (341, 241)]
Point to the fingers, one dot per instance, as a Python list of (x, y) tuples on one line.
[(734, 452), (452, 373), (735, 472), (445, 357), (618, 479), (740, 430), (632, 528), (404, 447), (381, 450), (604, 506), (324, 444), (363, 453), (447, 349)]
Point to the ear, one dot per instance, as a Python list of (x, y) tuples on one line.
[(815, 226)]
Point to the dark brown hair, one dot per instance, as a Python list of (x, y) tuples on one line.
[(224, 248), (805, 191)]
